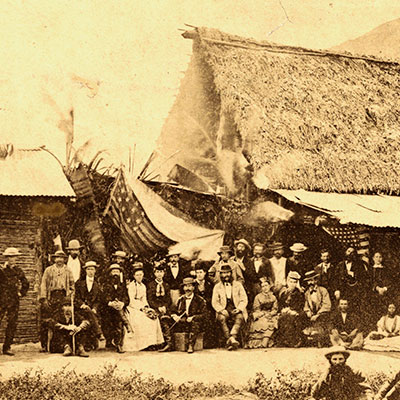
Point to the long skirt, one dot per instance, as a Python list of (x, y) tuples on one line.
[(384, 344), (261, 331), (146, 331)]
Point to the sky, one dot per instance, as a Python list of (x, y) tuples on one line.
[(118, 63)]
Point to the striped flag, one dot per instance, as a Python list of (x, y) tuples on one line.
[(138, 234), (352, 235)]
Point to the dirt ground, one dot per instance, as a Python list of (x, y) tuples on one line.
[(204, 366)]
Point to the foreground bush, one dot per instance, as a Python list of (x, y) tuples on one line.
[(106, 384)]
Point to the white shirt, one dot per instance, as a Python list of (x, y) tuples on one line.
[(188, 301), (228, 290), (257, 264), (325, 267), (89, 283), (344, 316), (75, 267), (348, 267), (278, 268), (175, 270)]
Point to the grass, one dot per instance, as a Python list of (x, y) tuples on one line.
[(107, 384)]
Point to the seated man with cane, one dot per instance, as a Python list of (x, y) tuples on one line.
[(190, 313), (68, 331)]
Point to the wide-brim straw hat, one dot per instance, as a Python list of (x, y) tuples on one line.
[(276, 246), (310, 275), (242, 241), (59, 253), (298, 247), (337, 350), (119, 253), (11, 252), (173, 253), (73, 245), (114, 266), (91, 264), (188, 281), (294, 275)]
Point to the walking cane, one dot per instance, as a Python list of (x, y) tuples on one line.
[(73, 323), (179, 318)]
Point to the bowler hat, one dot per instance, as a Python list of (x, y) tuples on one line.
[(298, 247), (242, 241), (310, 275), (59, 253), (188, 281), (224, 249), (11, 251), (114, 266), (225, 268), (337, 350), (91, 264), (73, 245)]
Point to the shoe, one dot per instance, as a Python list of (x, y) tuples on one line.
[(7, 352), (190, 349), (67, 351), (120, 350), (235, 344), (166, 348), (110, 345), (82, 352), (229, 345)]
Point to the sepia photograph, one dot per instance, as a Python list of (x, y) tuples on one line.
[(200, 200)]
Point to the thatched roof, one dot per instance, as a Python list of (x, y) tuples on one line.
[(313, 120)]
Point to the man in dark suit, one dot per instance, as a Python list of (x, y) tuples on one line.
[(115, 298), (189, 313), (297, 261), (345, 328), (326, 273), (13, 286), (87, 300), (174, 274), (259, 267)]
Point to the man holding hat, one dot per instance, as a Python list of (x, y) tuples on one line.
[(189, 313), (229, 301), (87, 300), (317, 308), (115, 298), (73, 262), (13, 285), (340, 381), (225, 257), (57, 283)]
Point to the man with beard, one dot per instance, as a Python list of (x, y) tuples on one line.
[(229, 301), (259, 268), (73, 262), (297, 261), (190, 313), (341, 382), (278, 265), (242, 255), (13, 286), (115, 298), (225, 257)]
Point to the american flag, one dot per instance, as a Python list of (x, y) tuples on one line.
[(138, 234), (352, 235)]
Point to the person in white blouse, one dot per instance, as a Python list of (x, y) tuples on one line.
[(278, 264), (145, 324)]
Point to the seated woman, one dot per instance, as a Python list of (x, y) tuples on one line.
[(264, 318), (292, 317), (387, 336), (143, 320)]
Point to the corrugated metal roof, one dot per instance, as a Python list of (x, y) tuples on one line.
[(33, 172), (372, 210)]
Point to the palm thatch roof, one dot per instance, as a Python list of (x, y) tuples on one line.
[(301, 119)]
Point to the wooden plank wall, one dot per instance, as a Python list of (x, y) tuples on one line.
[(18, 228)]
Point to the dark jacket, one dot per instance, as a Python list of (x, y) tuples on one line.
[(298, 265), (175, 283), (197, 308), (83, 296), (295, 299), (349, 285), (265, 270), (206, 294), (12, 283), (158, 301), (352, 322), (111, 294), (326, 279)]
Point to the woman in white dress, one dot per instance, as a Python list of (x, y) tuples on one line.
[(143, 320)]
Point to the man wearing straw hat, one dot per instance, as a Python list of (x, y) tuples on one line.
[(57, 283), (174, 274), (73, 262), (225, 254), (297, 262), (13, 285), (340, 381)]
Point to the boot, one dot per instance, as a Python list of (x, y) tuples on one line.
[(192, 339), (82, 352), (168, 343), (7, 351), (235, 344), (67, 351), (120, 349)]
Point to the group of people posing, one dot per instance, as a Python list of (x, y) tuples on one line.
[(243, 299)]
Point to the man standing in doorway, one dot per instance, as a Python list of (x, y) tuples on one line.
[(13, 285)]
